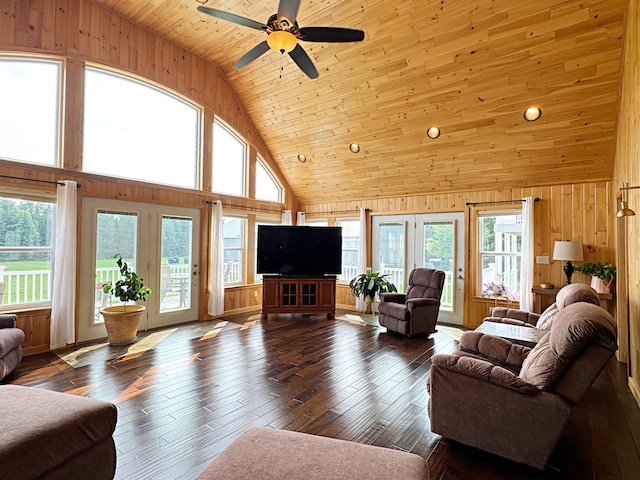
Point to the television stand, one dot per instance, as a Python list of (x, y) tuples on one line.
[(295, 294)]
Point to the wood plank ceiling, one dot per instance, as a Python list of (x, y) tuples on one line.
[(470, 67)]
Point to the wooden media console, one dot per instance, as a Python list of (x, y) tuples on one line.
[(282, 294)]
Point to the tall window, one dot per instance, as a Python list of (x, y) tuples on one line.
[(266, 221), (26, 251), (229, 160), (233, 240), (350, 248), (29, 110), (135, 130), (267, 188), (500, 248)]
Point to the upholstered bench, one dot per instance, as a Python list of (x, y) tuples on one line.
[(268, 454), (50, 435)]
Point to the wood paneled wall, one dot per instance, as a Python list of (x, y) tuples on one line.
[(578, 212), (627, 169)]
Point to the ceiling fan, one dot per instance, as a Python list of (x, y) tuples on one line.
[(283, 34)]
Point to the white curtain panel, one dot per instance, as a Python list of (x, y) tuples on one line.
[(301, 218), (362, 253), (286, 217), (63, 303), (215, 306), (526, 275)]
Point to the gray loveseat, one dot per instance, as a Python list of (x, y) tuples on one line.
[(11, 339)]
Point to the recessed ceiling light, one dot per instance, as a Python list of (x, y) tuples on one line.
[(302, 158), (433, 132), (532, 114), (354, 148)]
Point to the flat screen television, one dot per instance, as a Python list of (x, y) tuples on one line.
[(299, 251)]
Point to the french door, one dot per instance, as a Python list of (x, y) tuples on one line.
[(159, 243), (404, 242)]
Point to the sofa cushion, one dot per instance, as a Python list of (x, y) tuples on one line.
[(547, 317), (574, 329), (396, 310), (268, 454), (10, 338), (574, 293), (51, 428)]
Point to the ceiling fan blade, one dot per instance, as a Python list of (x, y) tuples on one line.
[(231, 17), (331, 34), (303, 61), (288, 9), (251, 55)]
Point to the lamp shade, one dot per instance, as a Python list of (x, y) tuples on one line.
[(570, 251), (282, 41)]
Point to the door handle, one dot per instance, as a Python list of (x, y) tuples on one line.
[(459, 277)]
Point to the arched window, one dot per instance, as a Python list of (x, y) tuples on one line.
[(135, 130), (30, 110), (267, 188), (229, 160)]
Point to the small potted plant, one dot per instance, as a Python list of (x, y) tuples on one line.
[(602, 275), (368, 285), (121, 321)]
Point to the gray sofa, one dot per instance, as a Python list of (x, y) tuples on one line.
[(11, 339), (569, 294), (55, 436), (514, 401)]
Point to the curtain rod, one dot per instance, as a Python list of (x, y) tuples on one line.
[(473, 204), (334, 211), (256, 209), (36, 180)]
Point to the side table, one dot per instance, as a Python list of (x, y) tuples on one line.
[(543, 297)]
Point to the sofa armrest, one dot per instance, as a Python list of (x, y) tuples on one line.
[(422, 302), (8, 320), (393, 297), (494, 348), (514, 314), (510, 321), (485, 371)]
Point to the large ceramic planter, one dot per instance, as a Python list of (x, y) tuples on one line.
[(122, 323)]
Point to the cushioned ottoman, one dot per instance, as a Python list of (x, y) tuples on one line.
[(268, 454), (50, 435)]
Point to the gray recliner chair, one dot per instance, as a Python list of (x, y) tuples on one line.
[(416, 311), (11, 339)]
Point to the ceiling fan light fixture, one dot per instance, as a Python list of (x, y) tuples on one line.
[(282, 41), (532, 114), (302, 158), (354, 148), (433, 133)]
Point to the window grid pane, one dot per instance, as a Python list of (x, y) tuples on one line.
[(26, 251), (135, 130), (30, 112), (500, 258), (266, 186), (350, 248), (233, 241), (229, 158)]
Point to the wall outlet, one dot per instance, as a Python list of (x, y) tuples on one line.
[(542, 260), (255, 293)]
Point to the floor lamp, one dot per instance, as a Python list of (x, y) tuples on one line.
[(569, 251)]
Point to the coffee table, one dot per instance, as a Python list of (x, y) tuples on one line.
[(527, 336)]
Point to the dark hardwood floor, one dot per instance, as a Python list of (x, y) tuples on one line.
[(183, 394)]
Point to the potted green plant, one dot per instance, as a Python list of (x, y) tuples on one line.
[(602, 275), (121, 321), (370, 284)]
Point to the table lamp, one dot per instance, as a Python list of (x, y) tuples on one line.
[(569, 251)]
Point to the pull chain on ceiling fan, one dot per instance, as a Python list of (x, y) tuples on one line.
[(283, 35)]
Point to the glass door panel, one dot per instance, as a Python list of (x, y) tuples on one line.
[(116, 232), (175, 263), (390, 249)]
